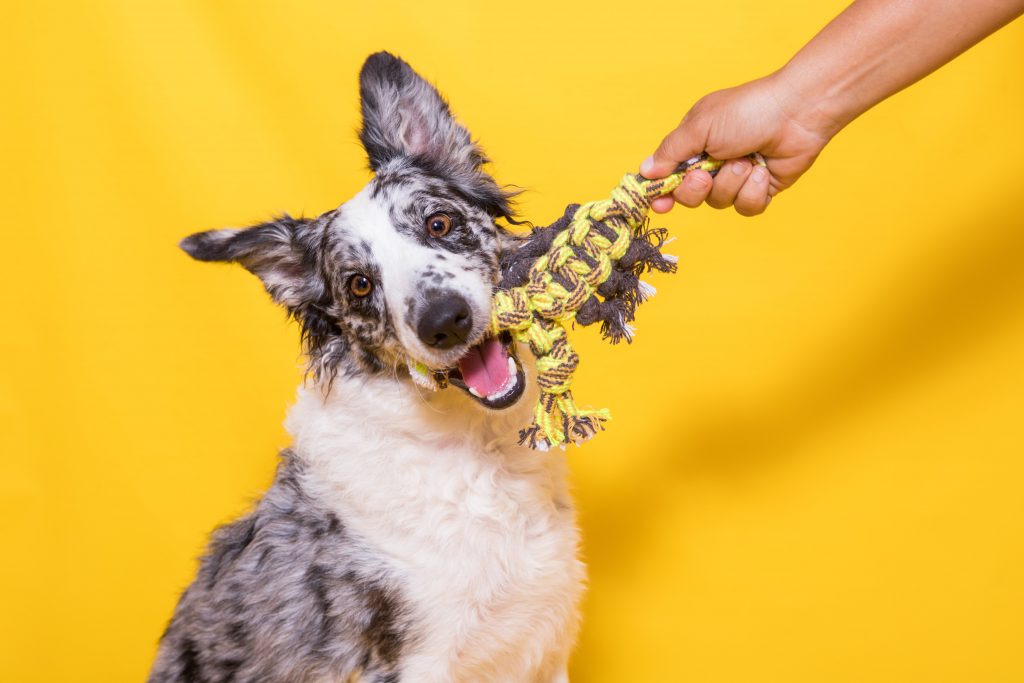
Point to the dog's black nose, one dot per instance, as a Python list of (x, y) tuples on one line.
[(445, 322)]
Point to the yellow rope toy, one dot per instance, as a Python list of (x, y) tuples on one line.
[(582, 269)]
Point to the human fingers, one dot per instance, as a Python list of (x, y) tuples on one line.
[(728, 182), (685, 141), (753, 197), (694, 189), (663, 204)]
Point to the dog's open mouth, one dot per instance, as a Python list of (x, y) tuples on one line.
[(491, 373)]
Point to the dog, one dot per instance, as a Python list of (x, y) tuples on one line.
[(407, 536)]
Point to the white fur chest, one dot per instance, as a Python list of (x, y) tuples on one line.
[(481, 531)]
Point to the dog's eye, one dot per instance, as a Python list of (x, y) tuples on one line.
[(360, 285), (439, 224)]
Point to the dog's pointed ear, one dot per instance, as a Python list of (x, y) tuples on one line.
[(282, 253), (404, 116)]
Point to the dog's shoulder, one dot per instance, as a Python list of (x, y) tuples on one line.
[(285, 590)]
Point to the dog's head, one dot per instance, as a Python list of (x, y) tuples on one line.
[(402, 273)]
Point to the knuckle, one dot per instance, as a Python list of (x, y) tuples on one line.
[(673, 142), (723, 195), (686, 199)]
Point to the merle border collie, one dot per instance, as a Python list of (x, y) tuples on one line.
[(406, 536)]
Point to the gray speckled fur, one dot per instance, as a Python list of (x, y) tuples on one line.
[(285, 594)]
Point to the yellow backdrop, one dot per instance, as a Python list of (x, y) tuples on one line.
[(816, 466)]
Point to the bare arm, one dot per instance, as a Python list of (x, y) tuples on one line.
[(872, 50)]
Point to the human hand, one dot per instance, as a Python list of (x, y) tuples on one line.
[(761, 116)]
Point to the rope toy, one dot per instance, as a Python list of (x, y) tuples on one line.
[(584, 268)]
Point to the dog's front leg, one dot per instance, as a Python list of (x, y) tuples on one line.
[(555, 669), (561, 676)]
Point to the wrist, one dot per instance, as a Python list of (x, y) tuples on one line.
[(812, 100)]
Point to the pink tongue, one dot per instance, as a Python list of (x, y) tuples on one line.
[(485, 367)]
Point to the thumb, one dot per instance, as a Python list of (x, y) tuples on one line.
[(686, 141)]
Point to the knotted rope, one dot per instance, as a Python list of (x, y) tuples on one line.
[(600, 251)]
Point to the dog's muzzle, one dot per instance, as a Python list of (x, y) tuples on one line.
[(490, 372)]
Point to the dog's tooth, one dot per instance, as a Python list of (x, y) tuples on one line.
[(511, 366), (475, 392)]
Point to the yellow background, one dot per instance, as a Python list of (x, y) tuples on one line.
[(816, 466)]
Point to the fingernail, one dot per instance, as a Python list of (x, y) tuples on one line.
[(740, 167), (760, 174), (647, 166)]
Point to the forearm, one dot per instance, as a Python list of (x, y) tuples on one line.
[(876, 48)]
